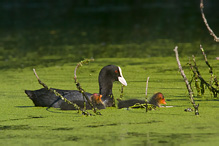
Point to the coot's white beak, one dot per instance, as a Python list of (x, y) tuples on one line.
[(121, 78)]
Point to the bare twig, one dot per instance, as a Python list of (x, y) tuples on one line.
[(213, 77), (197, 75), (206, 60), (206, 23), (59, 95), (121, 93), (79, 65), (210, 87), (184, 76), (146, 90), (146, 93), (40, 82), (199, 87), (80, 88), (193, 75), (187, 82)]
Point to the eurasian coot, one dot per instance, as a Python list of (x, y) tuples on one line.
[(107, 76), (157, 99)]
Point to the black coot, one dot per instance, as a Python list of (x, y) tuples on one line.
[(107, 76)]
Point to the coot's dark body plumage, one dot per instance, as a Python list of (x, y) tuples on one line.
[(107, 76), (156, 100), (95, 100), (45, 98), (130, 102), (80, 103)]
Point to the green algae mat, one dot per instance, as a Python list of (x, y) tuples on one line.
[(23, 124)]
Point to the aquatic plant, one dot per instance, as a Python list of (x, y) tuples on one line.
[(200, 82)]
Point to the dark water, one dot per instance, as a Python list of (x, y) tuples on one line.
[(48, 33)]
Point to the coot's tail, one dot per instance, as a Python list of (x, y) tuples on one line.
[(43, 98), (29, 94)]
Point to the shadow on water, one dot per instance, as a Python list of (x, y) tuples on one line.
[(63, 128), (15, 127), (24, 106), (72, 138), (47, 109), (118, 124), (138, 138), (17, 119), (20, 127), (169, 137), (128, 137)]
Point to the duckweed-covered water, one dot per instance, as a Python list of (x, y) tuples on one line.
[(22, 123)]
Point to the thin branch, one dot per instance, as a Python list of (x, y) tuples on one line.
[(146, 93), (206, 23), (209, 66), (206, 60), (197, 75), (184, 76), (146, 90), (210, 87), (193, 75), (199, 87), (80, 88), (121, 93), (186, 81), (79, 65), (40, 82), (59, 95)]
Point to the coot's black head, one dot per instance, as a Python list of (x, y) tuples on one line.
[(107, 76), (112, 73)]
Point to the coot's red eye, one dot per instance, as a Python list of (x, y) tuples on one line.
[(116, 71)]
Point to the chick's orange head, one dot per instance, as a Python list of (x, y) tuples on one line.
[(97, 97), (163, 101), (161, 98)]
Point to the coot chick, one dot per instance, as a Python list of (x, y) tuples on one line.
[(157, 99), (107, 76), (95, 100)]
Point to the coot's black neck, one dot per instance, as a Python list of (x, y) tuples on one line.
[(106, 80), (106, 89)]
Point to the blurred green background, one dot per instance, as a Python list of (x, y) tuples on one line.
[(48, 32)]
